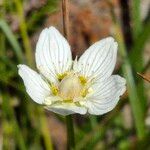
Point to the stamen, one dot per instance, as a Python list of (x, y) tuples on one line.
[(83, 80), (84, 92), (61, 76), (71, 88), (68, 100), (54, 89)]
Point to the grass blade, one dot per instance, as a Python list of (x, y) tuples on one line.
[(131, 87), (24, 34), (136, 18), (8, 110), (12, 39)]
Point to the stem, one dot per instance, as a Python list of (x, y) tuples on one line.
[(69, 122), (136, 18), (135, 92), (9, 114), (70, 132), (131, 86), (23, 29), (45, 131), (65, 12), (12, 40)]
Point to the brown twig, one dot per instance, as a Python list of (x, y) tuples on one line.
[(144, 77), (65, 12), (69, 120), (146, 66)]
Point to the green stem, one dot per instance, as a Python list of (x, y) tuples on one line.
[(8, 112), (131, 86), (45, 130), (93, 121), (136, 17), (23, 29), (12, 39), (70, 132)]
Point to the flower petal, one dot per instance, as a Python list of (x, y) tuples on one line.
[(106, 95), (98, 60), (67, 109), (36, 87), (53, 54)]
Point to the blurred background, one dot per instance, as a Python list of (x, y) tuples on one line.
[(24, 125)]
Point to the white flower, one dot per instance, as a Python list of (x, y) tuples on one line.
[(81, 86)]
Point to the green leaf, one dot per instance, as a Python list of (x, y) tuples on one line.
[(12, 39)]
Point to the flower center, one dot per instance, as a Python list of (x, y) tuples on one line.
[(70, 87)]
